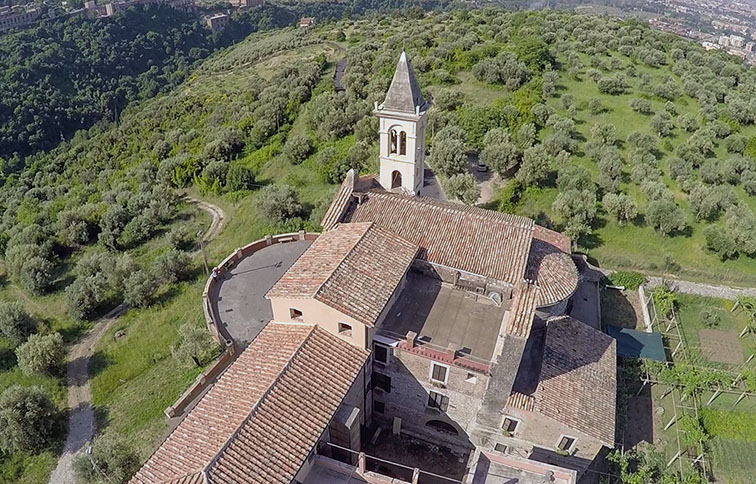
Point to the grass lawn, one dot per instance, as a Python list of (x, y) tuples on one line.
[(135, 377)]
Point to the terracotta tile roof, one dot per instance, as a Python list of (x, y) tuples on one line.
[(578, 384), (521, 401), (523, 310), (470, 239), (287, 372), (353, 268), (340, 201), (551, 266)]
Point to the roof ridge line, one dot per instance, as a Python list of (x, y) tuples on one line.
[(446, 204), (206, 470), (341, 262)]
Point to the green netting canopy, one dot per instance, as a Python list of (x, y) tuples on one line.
[(638, 344)]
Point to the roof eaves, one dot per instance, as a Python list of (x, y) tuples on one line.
[(233, 436)]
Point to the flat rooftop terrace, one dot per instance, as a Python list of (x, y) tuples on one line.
[(442, 315)]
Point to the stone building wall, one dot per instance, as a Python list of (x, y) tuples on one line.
[(539, 431), (408, 398)]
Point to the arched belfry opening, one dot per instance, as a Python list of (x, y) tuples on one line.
[(396, 179), (403, 117)]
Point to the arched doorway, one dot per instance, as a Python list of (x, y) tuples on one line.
[(442, 426), (396, 179)]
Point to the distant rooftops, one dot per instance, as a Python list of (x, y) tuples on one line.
[(354, 268), (404, 94), (235, 433)]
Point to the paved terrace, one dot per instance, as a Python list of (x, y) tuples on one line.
[(238, 302), (443, 316)]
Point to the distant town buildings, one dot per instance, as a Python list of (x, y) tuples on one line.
[(737, 41), (306, 22), (18, 16), (217, 22), (246, 3), (109, 9)]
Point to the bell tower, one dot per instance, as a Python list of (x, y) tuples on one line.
[(402, 124)]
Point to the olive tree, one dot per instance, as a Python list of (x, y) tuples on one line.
[(41, 354), (16, 324), (29, 420), (278, 202), (112, 460)]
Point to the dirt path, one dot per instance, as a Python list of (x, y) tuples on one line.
[(81, 418)]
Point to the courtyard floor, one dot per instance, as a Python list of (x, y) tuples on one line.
[(240, 304)]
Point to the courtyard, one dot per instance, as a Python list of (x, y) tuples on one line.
[(239, 303)]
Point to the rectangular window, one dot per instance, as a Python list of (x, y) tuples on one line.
[(380, 353), (509, 425), (382, 381), (295, 314), (566, 443), (345, 329), (379, 407), (439, 401), (439, 373), (500, 448)]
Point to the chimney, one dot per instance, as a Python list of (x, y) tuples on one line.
[(451, 350), (410, 338)]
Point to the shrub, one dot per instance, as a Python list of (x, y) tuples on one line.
[(139, 287), (463, 187), (627, 279), (180, 238), (114, 459), (41, 354), (195, 344), (709, 318), (15, 323), (239, 177), (29, 420), (277, 202), (297, 149), (665, 216), (170, 267)]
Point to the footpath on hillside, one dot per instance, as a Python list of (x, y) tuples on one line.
[(81, 418)]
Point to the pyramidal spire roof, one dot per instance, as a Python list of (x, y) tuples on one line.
[(404, 95)]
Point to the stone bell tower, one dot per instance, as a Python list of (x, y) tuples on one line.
[(402, 132)]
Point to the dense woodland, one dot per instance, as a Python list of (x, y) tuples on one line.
[(64, 75), (638, 144)]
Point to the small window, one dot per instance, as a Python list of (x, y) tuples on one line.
[(566, 443), (380, 353), (509, 425), (345, 329), (499, 447), (471, 378), (402, 143), (439, 401), (382, 381), (295, 314), (439, 373), (379, 407)]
